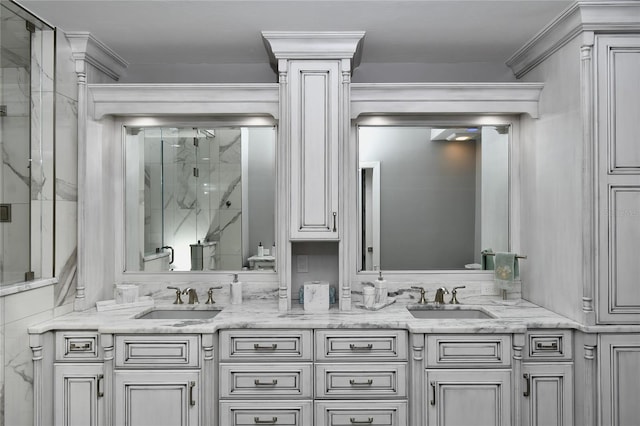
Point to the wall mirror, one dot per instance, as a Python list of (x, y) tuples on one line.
[(432, 197), (199, 198)]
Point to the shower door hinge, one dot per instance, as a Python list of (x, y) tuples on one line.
[(31, 27), (29, 276), (196, 172), (195, 142)]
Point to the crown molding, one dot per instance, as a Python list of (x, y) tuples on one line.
[(89, 49), (445, 98), (314, 45), (582, 16)]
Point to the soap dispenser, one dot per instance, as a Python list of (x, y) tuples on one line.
[(236, 291), (381, 289), (260, 249)]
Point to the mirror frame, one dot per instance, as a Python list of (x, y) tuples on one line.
[(433, 276), (121, 123)]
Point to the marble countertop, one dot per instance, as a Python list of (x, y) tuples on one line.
[(510, 316)]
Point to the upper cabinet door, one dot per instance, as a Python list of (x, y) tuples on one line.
[(315, 120), (618, 68)]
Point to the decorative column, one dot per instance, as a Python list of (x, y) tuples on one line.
[(516, 404), (589, 177), (209, 377), (107, 347), (93, 61), (35, 341), (590, 403), (417, 369)]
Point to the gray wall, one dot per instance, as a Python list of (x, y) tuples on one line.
[(322, 263), (261, 188), (427, 198)]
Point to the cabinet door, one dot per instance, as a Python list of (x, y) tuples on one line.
[(78, 399), (619, 357), (547, 397), (314, 89), (468, 397), (618, 62), (156, 398)]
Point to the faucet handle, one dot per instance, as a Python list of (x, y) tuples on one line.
[(423, 299), (178, 300), (454, 292), (210, 300)]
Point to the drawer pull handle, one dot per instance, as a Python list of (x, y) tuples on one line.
[(77, 347), (433, 395), (334, 221), (271, 383), (361, 348), (527, 389), (550, 346), (273, 421), (99, 390), (271, 347), (361, 422), (369, 382), (192, 401)]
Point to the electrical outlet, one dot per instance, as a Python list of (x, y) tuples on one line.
[(302, 263)]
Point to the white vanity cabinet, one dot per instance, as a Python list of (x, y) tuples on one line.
[(467, 380), (78, 375), (547, 374), (266, 377), (315, 114), (157, 380), (361, 377)]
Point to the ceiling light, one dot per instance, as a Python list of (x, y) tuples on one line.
[(463, 138)]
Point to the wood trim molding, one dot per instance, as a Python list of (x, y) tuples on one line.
[(92, 51), (200, 99), (580, 16), (445, 98)]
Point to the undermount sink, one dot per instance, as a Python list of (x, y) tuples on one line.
[(179, 314), (448, 312)]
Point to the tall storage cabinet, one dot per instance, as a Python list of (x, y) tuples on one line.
[(618, 109)]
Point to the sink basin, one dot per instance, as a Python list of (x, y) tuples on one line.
[(432, 312), (179, 314)]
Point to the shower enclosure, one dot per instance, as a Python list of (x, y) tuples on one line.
[(26, 107)]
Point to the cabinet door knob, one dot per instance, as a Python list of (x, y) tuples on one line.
[(335, 214), (99, 390), (527, 381), (433, 395)]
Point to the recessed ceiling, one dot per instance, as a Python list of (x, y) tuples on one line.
[(228, 31)]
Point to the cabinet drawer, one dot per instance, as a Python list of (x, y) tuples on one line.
[(261, 345), (371, 380), (291, 380), (370, 413), (548, 345), (153, 351), (358, 345), (252, 413), (468, 351), (76, 345)]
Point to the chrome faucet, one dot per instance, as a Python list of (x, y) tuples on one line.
[(178, 300), (439, 299), (454, 294), (423, 300), (193, 296)]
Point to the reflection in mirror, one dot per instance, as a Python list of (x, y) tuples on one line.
[(199, 199), (432, 198)]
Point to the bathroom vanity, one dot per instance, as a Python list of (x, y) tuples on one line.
[(251, 365)]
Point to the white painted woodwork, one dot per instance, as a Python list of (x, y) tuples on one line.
[(315, 108), (77, 345), (468, 397), (272, 380), (157, 351), (618, 109), (549, 399), (376, 413), (548, 345), (361, 380), (252, 413), (76, 397), (266, 345), (374, 345), (489, 351), (156, 398), (619, 364)]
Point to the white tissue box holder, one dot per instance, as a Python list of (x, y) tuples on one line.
[(316, 296)]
